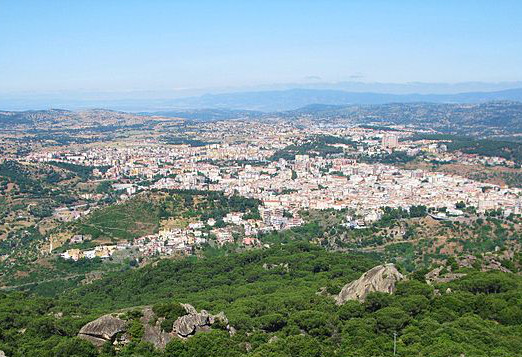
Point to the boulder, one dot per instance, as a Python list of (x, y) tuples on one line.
[(221, 318), (188, 325), (107, 327), (381, 278), (152, 331), (491, 264), (193, 322), (189, 309), (102, 329)]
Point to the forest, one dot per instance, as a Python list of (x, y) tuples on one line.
[(280, 301)]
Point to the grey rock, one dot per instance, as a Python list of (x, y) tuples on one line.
[(248, 347), (492, 264), (153, 333), (221, 317), (107, 327), (466, 261), (283, 266), (381, 278), (102, 329), (231, 330), (433, 275), (273, 339), (188, 325), (189, 309), (489, 263)]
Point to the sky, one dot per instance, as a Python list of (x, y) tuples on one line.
[(130, 45)]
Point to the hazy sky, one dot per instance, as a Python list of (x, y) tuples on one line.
[(106, 45)]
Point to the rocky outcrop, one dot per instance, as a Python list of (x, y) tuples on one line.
[(152, 332), (194, 321), (380, 278), (102, 329), (488, 263), (108, 327), (190, 324), (435, 277)]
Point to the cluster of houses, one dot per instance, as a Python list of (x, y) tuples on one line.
[(175, 241), (102, 251)]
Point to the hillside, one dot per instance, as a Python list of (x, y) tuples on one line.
[(59, 118), (462, 118), (473, 118), (271, 298), (145, 213)]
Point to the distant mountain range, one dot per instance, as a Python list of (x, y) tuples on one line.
[(260, 100), (284, 100)]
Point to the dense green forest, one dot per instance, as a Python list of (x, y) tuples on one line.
[(273, 299)]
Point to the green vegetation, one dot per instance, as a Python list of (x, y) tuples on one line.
[(170, 311), (84, 172), (396, 157), (508, 150), (277, 311), (320, 145), (11, 171), (142, 214), (128, 220)]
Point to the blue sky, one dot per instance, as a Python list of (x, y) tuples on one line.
[(108, 45)]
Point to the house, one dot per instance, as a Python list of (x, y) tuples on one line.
[(73, 254)]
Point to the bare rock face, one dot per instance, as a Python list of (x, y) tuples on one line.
[(102, 329), (188, 325), (189, 309), (152, 331), (380, 278), (107, 327)]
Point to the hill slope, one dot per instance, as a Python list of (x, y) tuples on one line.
[(272, 298)]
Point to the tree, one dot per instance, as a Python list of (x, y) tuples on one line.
[(74, 347), (377, 300), (272, 322), (391, 319)]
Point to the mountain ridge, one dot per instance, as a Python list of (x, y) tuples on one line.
[(259, 100)]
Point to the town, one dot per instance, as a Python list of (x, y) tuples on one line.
[(269, 165)]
